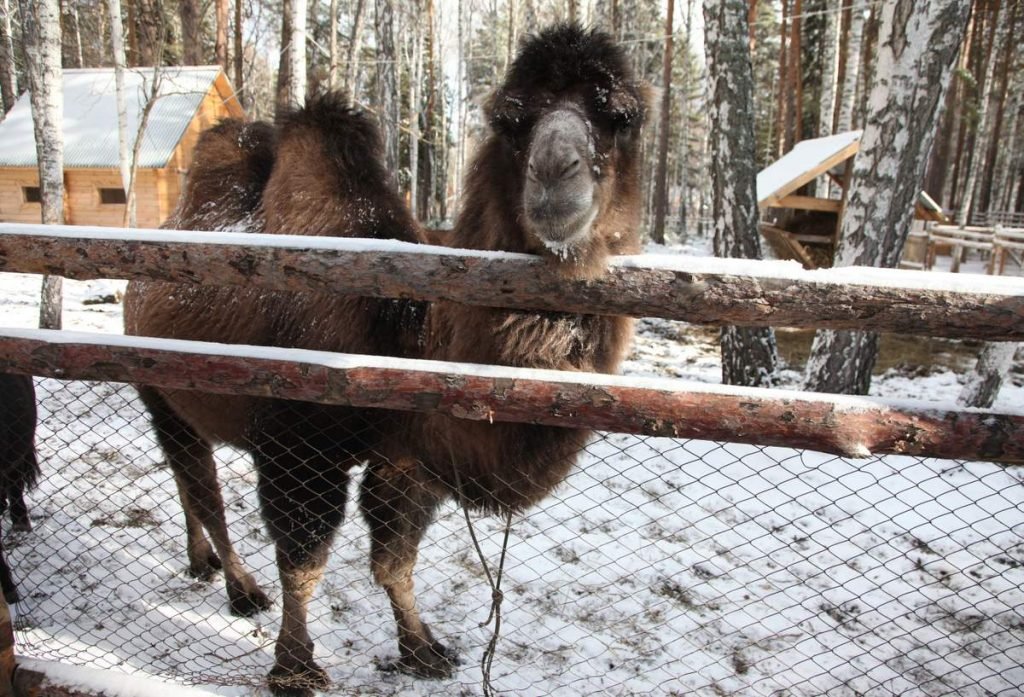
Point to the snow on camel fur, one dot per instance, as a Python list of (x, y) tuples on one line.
[(557, 176)]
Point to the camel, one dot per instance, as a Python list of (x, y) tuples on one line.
[(557, 176), (19, 468)]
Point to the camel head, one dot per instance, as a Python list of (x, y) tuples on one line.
[(570, 111)]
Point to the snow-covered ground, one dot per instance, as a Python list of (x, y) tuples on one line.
[(659, 567)]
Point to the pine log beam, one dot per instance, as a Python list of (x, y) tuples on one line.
[(808, 203), (698, 290), (848, 426)]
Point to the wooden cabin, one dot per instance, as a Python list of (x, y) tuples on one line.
[(808, 229), (189, 100)]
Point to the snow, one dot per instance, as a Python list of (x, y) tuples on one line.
[(659, 567), (804, 157)]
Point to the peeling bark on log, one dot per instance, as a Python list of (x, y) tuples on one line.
[(853, 427), (690, 294)]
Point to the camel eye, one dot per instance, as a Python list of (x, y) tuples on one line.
[(510, 116)]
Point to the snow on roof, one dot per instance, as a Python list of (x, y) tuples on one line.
[(795, 168), (90, 116)]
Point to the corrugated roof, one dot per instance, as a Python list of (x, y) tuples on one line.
[(90, 116)]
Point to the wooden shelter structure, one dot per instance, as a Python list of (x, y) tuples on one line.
[(809, 229), (186, 101)]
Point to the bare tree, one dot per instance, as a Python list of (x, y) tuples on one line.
[(191, 40), (354, 45), (123, 156), (41, 34), (749, 355), (387, 82), (917, 48), (660, 177), (221, 40), (8, 74), (239, 51), (847, 96)]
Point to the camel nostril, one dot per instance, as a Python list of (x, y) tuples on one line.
[(570, 169)]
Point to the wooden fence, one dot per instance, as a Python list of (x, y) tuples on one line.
[(711, 291)]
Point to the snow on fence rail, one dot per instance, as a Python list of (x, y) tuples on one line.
[(698, 290)]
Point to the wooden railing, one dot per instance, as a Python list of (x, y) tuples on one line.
[(713, 291)]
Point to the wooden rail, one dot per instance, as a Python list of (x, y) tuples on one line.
[(699, 290), (849, 426)]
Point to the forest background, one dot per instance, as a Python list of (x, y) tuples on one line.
[(426, 67)]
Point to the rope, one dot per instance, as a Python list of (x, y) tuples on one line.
[(497, 596)]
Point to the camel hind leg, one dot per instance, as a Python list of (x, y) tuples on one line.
[(191, 460), (399, 504)]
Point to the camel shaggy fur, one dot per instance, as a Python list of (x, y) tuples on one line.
[(557, 176)]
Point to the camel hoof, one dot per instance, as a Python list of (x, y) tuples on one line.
[(205, 568), (434, 661), (247, 603), (300, 680)]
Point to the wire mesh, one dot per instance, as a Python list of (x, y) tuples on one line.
[(658, 566)]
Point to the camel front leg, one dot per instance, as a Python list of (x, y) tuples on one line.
[(398, 506)]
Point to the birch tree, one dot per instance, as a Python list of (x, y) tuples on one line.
[(8, 74), (917, 48), (40, 26), (354, 45), (660, 177), (297, 54), (847, 96), (123, 155), (387, 83), (749, 355)]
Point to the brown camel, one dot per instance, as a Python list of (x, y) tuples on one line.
[(558, 176)]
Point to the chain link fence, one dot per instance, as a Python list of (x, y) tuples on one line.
[(660, 566)]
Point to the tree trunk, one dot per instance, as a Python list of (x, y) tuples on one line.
[(332, 51), (354, 45), (988, 171), (239, 55), (851, 63), (145, 20), (41, 33), (749, 355), (191, 32), (71, 35), (661, 175), (123, 153), (781, 99), (414, 111), (918, 47), (387, 84), (977, 155), (221, 40), (297, 54), (8, 74), (284, 64), (795, 91), (830, 65), (982, 386)]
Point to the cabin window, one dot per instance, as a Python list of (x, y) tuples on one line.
[(112, 196), (32, 194)]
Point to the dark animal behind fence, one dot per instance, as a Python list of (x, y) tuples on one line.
[(19, 468), (559, 177)]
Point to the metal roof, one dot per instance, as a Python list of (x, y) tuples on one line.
[(90, 117)]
